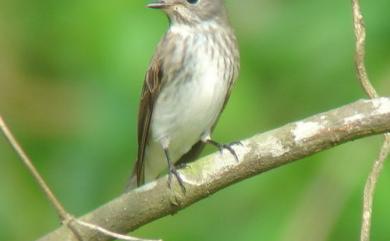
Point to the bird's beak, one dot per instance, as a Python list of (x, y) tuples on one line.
[(158, 4)]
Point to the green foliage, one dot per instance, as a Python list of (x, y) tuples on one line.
[(70, 79)]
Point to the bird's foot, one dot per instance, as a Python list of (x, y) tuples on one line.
[(226, 146), (173, 172)]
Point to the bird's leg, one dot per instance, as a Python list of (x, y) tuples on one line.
[(172, 171), (207, 139)]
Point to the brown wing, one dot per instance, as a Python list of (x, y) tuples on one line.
[(149, 95)]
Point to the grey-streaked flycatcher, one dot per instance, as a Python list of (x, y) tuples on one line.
[(186, 87)]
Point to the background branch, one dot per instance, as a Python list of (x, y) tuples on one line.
[(63, 215), (66, 218), (369, 189), (258, 154), (360, 35)]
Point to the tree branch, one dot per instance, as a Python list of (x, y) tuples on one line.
[(258, 154)]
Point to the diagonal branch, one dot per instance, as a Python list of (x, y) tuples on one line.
[(258, 154), (34, 172)]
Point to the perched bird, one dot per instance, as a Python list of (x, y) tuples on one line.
[(186, 87)]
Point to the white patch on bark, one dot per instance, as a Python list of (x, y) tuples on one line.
[(353, 118), (272, 146), (382, 105), (304, 130)]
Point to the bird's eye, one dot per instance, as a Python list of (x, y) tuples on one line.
[(192, 1)]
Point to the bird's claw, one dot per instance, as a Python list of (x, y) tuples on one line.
[(172, 171), (227, 147)]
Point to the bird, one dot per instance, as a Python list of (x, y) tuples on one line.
[(186, 88)]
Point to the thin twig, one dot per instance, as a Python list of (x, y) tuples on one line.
[(62, 213), (360, 35), (66, 218), (369, 189), (109, 233)]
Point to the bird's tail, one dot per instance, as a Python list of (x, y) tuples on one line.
[(131, 183)]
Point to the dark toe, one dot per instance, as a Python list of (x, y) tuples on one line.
[(173, 171), (232, 151)]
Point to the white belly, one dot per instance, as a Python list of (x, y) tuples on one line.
[(183, 112)]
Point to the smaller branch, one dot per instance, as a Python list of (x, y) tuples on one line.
[(109, 233), (360, 35), (28, 163), (369, 189), (65, 217)]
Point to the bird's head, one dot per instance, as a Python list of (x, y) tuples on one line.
[(191, 11)]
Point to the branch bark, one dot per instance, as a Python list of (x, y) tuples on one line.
[(258, 154)]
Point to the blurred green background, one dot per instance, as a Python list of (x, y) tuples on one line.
[(70, 79)]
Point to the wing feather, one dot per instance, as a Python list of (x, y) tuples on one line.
[(150, 91)]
